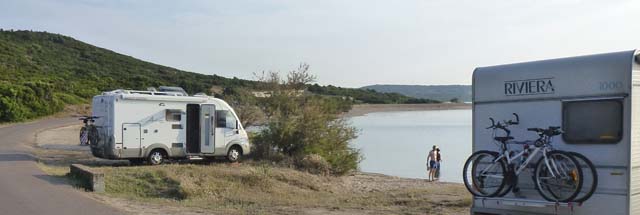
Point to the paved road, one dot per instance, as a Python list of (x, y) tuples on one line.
[(25, 189)]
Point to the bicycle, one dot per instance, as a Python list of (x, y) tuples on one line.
[(87, 130), (558, 176)]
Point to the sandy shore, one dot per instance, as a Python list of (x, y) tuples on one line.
[(363, 109)]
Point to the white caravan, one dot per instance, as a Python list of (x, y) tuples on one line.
[(151, 125), (596, 101)]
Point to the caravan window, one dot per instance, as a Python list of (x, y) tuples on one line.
[(594, 121), (173, 115), (225, 119)]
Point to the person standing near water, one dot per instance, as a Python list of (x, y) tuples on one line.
[(438, 162), (432, 163)]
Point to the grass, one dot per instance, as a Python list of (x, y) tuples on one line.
[(261, 188), (51, 170), (258, 188), (216, 184)]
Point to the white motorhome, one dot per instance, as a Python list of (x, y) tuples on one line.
[(155, 126), (596, 101)]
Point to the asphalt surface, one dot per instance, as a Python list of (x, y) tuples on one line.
[(25, 189)]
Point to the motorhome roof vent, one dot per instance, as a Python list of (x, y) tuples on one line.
[(200, 95), (173, 89)]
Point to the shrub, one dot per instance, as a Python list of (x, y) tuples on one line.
[(314, 164), (299, 125)]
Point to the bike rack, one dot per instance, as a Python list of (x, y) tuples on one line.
[(528, 202)]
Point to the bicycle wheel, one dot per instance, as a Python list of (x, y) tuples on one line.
[(84, 139), (558, 178), (505, 190), (482, 175), (94, 137), (507, 185), (590, 177)]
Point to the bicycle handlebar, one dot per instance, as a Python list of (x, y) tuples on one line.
[(493, 123), (506, 123), (88, 117), (551, 131), (510, 122)]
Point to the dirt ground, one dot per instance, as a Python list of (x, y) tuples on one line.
[(61, 146), (356, 193)]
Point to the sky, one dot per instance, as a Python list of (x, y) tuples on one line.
[(349, 43)]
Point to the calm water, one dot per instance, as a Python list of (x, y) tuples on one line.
[(397, 143)]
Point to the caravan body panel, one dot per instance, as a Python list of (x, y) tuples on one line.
[(546, 93)]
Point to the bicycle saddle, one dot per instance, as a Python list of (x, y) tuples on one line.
[(503, 139)]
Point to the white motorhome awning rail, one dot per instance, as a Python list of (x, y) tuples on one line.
[(163, 98), (143, 92), (156, 96)]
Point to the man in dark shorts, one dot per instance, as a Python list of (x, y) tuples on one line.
[(432, 163)]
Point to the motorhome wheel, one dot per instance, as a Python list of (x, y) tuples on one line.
[(156, 157), (234, 154)]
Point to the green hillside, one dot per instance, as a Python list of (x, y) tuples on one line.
[(42, 72), (436, 92)]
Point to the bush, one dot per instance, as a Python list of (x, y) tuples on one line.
[(314, 164), (27, 100), (302, 125)]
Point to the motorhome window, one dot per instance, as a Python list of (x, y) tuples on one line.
[(225, 119), (221, 120), (230, 120), (593, 121), (173, 115)]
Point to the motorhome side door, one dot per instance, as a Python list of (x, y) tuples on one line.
[(208, 134), (131, 140), (226, 128)]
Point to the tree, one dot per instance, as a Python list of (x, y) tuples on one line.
[(299, 125), (244, 104)]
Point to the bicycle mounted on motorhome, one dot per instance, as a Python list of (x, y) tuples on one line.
[(558, 175)]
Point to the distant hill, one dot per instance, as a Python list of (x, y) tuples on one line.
[(436, 92), (41, 73)]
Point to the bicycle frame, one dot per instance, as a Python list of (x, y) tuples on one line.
[(553, 170), (544, 149)]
